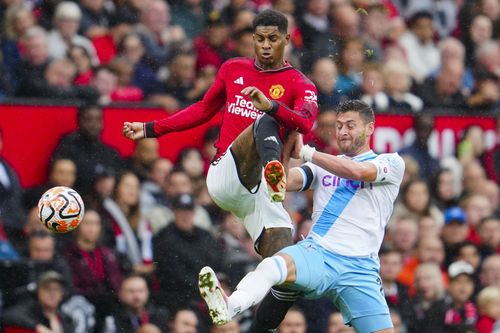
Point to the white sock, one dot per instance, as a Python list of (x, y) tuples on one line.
[(255, 285)]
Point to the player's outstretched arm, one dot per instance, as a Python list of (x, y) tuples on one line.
[(295, 180), (343, 167), (133, 131)]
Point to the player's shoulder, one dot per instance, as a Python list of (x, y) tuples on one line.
[(394, 159), (299, 75), (239, 61)]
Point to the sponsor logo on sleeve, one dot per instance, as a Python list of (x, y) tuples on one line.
[(276, 91), (311, 97)]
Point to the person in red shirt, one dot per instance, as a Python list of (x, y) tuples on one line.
[(263, 99)]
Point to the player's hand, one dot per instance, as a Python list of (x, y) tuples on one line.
[(259, 100), (298, 144), (133, 131)]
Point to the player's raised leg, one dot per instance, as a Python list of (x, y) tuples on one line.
[(250, 291)]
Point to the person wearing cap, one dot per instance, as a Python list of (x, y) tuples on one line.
[(454, 231), (180, 250), (41, 314), (66, 22), (460, 312)]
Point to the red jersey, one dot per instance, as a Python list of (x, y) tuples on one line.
[(293, 95)]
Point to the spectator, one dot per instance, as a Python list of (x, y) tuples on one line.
[(396, 294), (41, 314), (480, 31), (148, 328), (488, 302), (489, 236), (81, 59), (397, 321), (42, 252), (476, 207), (184, 321), (474, 175), (244, 43), (397, 79), (430, 250), (460, 312), (152, 188), (445, 91), (56, 82), (376, 29), (105, 82), (471, 148), (427, 304), (485, 95), (243, 20), (418, 44), (34, 60), (158, 35), (178, 182), (191, 16), (488, 55), (191, 161), (95, 19), (135, 309), (403, 232), (182, 84), (64, 35), (416, 200), (146, 152), (132, 48), (372, 87), (95, 269), (131, 233), (324, 75), (453, 51), (212, 47), (428, 227), (11, 211), (294, 322), (85, 148), (445, 190), (454, 232), (17, 20), (419, 150), (489, 274), (323, 134), (178, 245), (125, 90), (314, 22), (351, 58), (62, 172), (469, 252)]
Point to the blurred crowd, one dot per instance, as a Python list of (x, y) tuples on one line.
[(394, 54), (150, 225)]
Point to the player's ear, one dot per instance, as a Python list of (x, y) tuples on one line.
[(287, 39), (371, 127)]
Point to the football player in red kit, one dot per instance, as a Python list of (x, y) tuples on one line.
[(263, 99)]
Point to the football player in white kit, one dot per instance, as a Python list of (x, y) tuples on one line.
[(354, 195)]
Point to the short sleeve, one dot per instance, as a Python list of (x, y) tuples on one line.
[(390, 168)]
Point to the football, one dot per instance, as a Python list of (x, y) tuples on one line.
[(61, 209)]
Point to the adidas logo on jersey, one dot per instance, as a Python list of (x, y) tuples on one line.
[(239, 80), (271, 138)]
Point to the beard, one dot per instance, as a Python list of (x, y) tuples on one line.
[(354, 147)]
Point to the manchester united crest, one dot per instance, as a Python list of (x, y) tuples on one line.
[(276, 91)]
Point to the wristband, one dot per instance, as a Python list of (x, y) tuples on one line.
[(306, 153)]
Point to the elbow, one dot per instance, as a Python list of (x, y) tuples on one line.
[(303, 127)]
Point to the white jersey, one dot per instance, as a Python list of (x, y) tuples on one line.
[(350, 216)]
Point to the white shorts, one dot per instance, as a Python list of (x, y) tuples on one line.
[(255, 209)]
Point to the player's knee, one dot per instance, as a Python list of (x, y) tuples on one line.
[(273, 240)]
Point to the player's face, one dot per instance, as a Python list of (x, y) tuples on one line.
[(353, 134), (269, 44)]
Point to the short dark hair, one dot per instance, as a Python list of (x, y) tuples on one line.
[(40, 234), (271, 18), (365, 111), (422, 14), (86, 108)]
